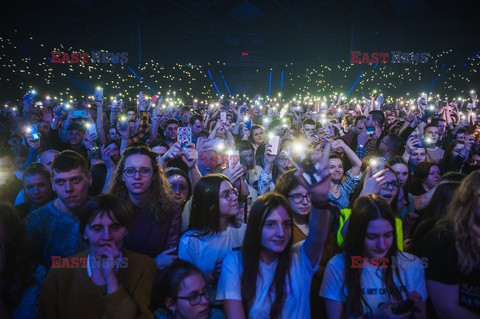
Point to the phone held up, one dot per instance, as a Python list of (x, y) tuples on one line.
[(184, 135)]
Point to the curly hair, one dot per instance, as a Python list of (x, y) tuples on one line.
[(460, 218), (161, 199)]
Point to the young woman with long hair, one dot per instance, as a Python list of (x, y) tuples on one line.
[(453, 252), (364, 280), (213, 230), (436, 210), (269, 277), (340, 188), (383, 183), (157, 218), (425, 177)]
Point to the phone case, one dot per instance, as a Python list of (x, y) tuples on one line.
[(233, 158), (34, 132), (378, 164), (223, 116), (79, 113), (274, 140), (184, 135), (98, 96), (92, 130)]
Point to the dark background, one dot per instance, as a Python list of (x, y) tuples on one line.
[(274, 33)]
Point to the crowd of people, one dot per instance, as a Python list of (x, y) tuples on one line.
[(240, 208)]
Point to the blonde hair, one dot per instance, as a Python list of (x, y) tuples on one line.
[(461, 218)]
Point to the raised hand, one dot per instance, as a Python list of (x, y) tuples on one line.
[(319, 191), (107, 156), (190, 155), (166, 258), (373, 183)]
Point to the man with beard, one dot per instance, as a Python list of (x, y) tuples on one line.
[(54, 228)]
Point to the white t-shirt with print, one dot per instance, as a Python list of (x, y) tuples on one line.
[(203, 252), (297, 303), (411, 272)]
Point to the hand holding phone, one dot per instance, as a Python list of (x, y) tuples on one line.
[(34, 132), (79, 113), (274, 140), (377, 164), (98, 95)]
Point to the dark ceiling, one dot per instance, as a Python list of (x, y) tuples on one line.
[(271, 31)]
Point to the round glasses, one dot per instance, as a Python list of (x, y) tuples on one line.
[(392, 184), (230, 195), (143, 171), (298, 198), (196, 297)]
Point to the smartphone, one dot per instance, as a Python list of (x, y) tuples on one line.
[(425, 142), (223, 117), (98, 95), (283, 112), (274, 140), (330, 129), (184, 135), (303, 159), (66, 108), (370, 130), (377, 164), (79, 113), (154, 98), (233, 158), (248, 124), (34, 132), (123, 124), (402, 307), (31, 95), (91, 130)]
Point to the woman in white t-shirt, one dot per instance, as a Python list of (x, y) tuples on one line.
[(372, 278), (213, 229), (269, 278)]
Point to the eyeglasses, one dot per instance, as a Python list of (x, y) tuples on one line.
[(143, 171), (392, 184), (196, 297), (230, 195), (298, 198)]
